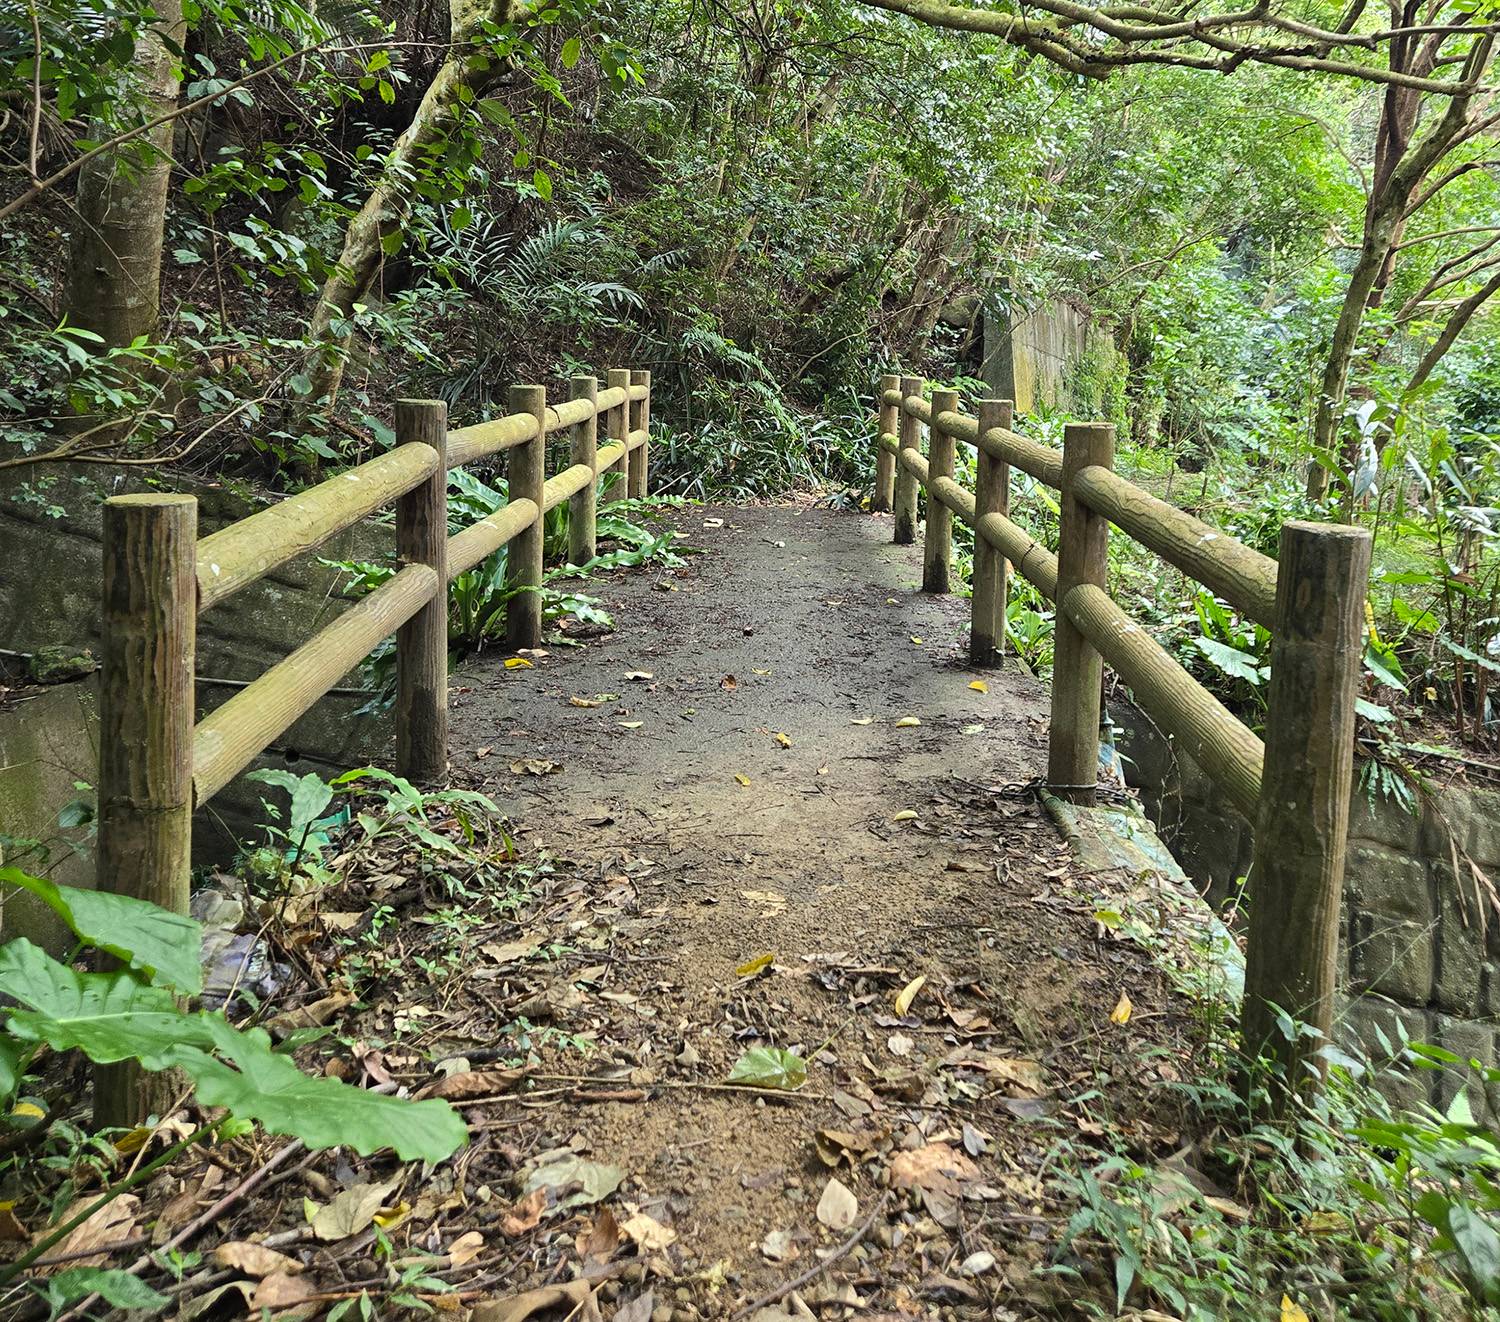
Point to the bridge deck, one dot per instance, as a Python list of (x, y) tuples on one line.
[(670, 873)]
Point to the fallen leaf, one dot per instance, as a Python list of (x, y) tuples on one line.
[(754, 671), (465, 1248), (280, 1290), (254, 1259), (838, 1207), (11, 1229), (862, 720), (908, 994), (602, 1239), (979, 686), (823, 770), (647, 1233), (576, 701), (742, 777), (559, 1170), (905, 815), (729, 682), (535, 766), (777, 1246), (898, 1044), (935, 1166), (526, 1213), (757, 965), (571, 1297), (315, 1015), (1121, 1013), (638, 1309), (351, 1211), (784, 740), (916, 640), (510, 951), (769, 1067), (1291, 1312), (630, 725), (517, 663), (906, 722), (774, 902), (976, 1264), (115, 1220), (639, 674)]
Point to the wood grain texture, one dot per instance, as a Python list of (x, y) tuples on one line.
[(1301, 828), (640, 458), (421, 712), (467, 548), (148, 632), (236, 556), (904, 532), (523, 565), (989, 586), (583, 449), (937, 537), (617, 426), (1077, 671), (1246, 579), (887, 420)]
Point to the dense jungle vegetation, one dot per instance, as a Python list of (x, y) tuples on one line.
[(233, 234)]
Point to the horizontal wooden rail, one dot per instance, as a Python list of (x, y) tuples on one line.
[(468, 444), (467, 548), (236, 556), (228, 738), (1009, 447), (1245, 578)]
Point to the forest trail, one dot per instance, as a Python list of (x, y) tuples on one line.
[(677, 837)]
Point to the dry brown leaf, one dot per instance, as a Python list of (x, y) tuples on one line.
[(351, 1211), (647, 1233), (255, 1259), (838, 1207), (574, 1295), (11, 1229), (281, 1291), (526, 1213), (115, 1220), (601, 1241), (535, 766), (315, 1015), (465, 1248), (936, 1166)]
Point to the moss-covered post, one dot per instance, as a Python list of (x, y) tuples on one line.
[(991, 569), (523, 569), (585, 447), (1301, 828), (937, 541), (422, 642), (906, 484), (640, 459), (888, 418), (148, 632), (617, 425), (1077, 669)]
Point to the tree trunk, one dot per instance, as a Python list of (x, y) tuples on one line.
[(384, 211), (114, 269)]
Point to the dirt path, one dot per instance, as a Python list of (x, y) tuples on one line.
[(749, 792)]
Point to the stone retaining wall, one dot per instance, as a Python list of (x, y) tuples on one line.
[(1421, 927)]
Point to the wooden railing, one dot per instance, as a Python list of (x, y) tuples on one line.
[(156, 766), (1295, 785)]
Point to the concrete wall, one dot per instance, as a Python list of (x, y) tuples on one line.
[(1030, 356), (50, 525), (1421, 927)]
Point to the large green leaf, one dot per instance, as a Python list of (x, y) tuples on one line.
[(108, 1016), (769, 1067), (323, 1113), (115, 1287), (166, 946)]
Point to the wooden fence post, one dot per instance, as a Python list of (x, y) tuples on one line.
[(906, 484), (617, 426), (1077, 669), (991, 569), (582, 504), (149, 626), (640, 460), (888, 419), (937, 540), (523, 570), (1301, 829), (422, 642)]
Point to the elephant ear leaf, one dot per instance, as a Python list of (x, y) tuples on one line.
[(165, 946), (267, 1087), (107, 1016)]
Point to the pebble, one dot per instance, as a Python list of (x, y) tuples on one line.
[(661, 1313)]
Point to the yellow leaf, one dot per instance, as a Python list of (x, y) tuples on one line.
[(862, 720), (759, 672), (630, 725), (390, 1216), (1291, 1312), (823, 770), (906, 722), (742, 777), (134, 1141), (757, 965), (576, 701), (908, 994), (784, 740), (517, 663), (979, 686), (1121, 1013), (31, 1111), (905, 815), (916, 640)]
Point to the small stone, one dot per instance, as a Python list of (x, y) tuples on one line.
[(976, 1264), (54, 665)]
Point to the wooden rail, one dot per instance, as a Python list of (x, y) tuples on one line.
[(156, 767), (1295, 785)]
